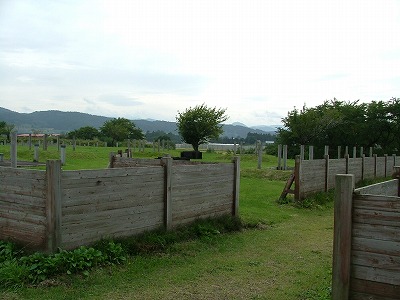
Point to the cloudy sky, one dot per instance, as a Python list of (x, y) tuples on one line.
[(150, 59)]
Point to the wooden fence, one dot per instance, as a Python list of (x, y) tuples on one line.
[(366, 249), (318, 175), (49, 209)]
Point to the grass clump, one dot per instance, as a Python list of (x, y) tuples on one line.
[(18, 268), (160, 240)]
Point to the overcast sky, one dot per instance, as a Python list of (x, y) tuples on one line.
[(150, 59)]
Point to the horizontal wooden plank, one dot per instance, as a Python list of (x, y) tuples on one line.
[(110, 173), (376, 275), (376, 246), (370, 290), (19, 172), (375, 260), (110, 226), (201, 207), (98, 217), (377, 232), (73, 241), (376, 217), (220, 197), (187, 220), (103, 204), (23, 199), (123, 180), (11, 225), (74, 195), (23, 217), (377, 203), (25, 208), (24, 238), (206, 211), (27, 189)]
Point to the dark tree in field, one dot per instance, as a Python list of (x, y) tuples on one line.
[(199, 124), (84, 133), (6, 129), (120, 129)]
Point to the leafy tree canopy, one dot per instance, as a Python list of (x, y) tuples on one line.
[(338, 123), (120, 129), (84, 133), (6, 128), (199, 124)]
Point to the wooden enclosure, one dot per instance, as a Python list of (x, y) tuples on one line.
[(48, 209), (366, 248), (318, 175)]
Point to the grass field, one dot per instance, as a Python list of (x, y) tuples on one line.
[(284, 253)]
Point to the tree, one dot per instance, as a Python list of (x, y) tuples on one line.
[(338, 123), (199, 124), (84, 133), (6, 129), (120, 129)]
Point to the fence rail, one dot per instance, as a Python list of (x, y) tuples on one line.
[(49, 209)]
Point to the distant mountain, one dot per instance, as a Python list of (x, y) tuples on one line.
[(54, 121), (267, 128)]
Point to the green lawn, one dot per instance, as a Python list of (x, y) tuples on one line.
[(285, 253)]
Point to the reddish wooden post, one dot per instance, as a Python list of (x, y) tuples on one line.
[(53, 206), (344, 187)]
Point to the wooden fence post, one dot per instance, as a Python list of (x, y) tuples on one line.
[(236, 187), (311, 152), (167, 163), (285, 152), (279, 157), (53, 206), (326, 157), (45, 142), (259, 154), (347, 157), (302, 152), (13, 153), (297, 177), (354, 152), (30, 141), (339, 152), (375, 164), (344, 186), (386, 164), (362, 166), (326, 150), (36, 153), (63, 155)]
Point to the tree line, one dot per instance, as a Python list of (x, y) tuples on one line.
[(343, 123)]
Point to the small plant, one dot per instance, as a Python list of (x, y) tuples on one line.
[(34, 268)]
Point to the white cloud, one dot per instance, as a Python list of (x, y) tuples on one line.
[(152, 58)]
